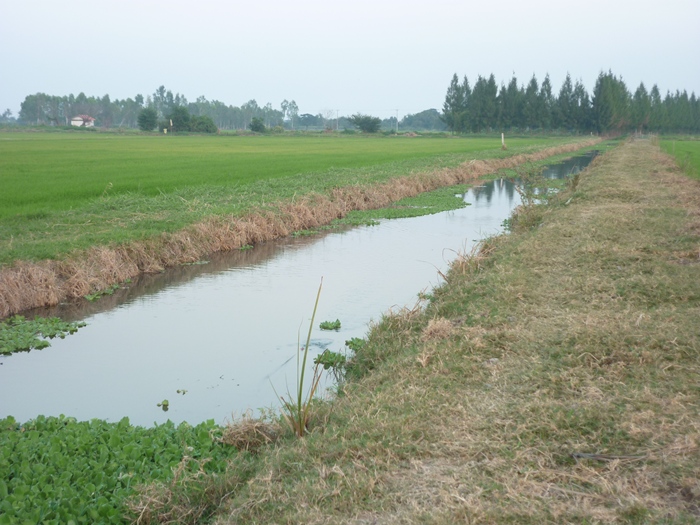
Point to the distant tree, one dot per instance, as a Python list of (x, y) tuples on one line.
[(430, 119), (610, 105), (657, 120), (32, 110), (257, 125), (308, 120), (695, 110), (532, 111), (565, 105), (6, 117), (581, 108), (483, 108), (106, 112), (147, 119), (203, 124), (292, 111), (454, 107), (546, 102), (366, 123), (641, 108), (180, 118), (510, 105), (681, 111)]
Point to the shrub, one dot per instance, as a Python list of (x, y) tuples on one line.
[(147, 119), (203, 124), (366, 123), (257, 125)]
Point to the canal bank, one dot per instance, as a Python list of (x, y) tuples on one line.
[(552, 378)]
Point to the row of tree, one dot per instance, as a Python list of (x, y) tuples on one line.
[(611, 108), (43, 109)]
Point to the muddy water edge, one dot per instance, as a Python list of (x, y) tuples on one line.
[(218, 338)]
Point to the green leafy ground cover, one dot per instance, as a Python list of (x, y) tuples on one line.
[(686, 150), (55, 470), (62, 192)]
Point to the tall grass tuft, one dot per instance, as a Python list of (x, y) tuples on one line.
[(298, 412)]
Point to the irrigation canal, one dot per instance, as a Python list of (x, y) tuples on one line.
[(223, 333)]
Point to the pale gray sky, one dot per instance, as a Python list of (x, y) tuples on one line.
[(371, 56)]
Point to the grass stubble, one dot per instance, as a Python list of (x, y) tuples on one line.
[(29, 284), (553, 378)]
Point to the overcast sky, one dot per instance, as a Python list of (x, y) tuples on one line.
[(369, 56)]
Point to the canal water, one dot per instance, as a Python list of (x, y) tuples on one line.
[(225, 333)]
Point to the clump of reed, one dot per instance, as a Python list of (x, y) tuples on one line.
[(297, 407)]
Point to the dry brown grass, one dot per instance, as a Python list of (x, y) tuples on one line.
[(249, 434), (191, 497), (27, 285)]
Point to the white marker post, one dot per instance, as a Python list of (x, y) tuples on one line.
[(503, 141)]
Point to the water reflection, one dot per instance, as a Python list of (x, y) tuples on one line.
[(498, 186)]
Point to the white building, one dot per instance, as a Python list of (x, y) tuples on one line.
[(83, 120)]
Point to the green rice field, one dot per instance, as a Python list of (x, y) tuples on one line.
[(65, 191), (686, 150)]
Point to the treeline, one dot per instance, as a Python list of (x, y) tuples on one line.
[(611, 108), (483, 107), (42, 109), (155, 111)]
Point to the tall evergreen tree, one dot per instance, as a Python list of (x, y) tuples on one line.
[(510, 106), (531, 105), (483, 109), (565, 118), (657, 120), (581, 109), (695, 112), (641, 109), (464, 115), (547, 102), (610, 104), (454, 106)]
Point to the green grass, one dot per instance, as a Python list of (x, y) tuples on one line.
[(62, 192), (686, 150)]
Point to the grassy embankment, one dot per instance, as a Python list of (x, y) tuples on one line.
[(553, 379), (83, 212)]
